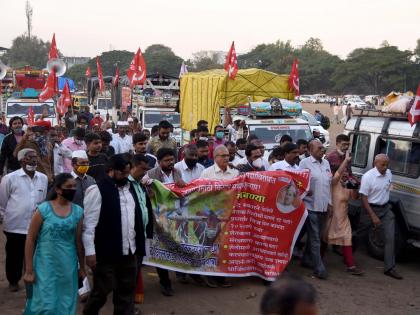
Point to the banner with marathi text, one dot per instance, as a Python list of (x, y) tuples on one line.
[(240, 227)]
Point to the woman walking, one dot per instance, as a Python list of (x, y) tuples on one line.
[(339, 228), (53, 249)]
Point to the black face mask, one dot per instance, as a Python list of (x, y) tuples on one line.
[(121, 182), (202, 159), (68, 194), (191, 163)]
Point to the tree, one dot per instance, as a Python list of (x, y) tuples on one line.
[(417, 50), (28, 12), (28, 51), (205, 60), (161, 59), (314, 44)]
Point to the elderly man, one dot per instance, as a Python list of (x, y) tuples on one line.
[(20, 193), (220, 171), (254, 160), (121, 141), (60, 152), (374, 189), (163, 139), (317, 202), (80, 163), (291, 158)]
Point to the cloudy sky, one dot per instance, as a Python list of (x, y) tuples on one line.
[(89, 27)]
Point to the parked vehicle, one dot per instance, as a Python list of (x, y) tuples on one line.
[(307, 99), (316, 125), (356, 103), (394, 136), (320, 98)]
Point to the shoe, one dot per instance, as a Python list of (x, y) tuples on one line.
[(13, 287), (320, 275), (210, 282), (166, 290), (224, 283), (393, 274), (355, 271)]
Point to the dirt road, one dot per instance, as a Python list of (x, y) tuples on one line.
[(372, 294)]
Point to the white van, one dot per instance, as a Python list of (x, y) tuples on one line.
[(20, 107)]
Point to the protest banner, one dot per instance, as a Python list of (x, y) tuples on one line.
[(240, 227)]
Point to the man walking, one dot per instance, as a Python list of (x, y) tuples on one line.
[(374, 189), (80, 164), (113, 235), (291, 158), (317, 202), (163, 139), (20, 193)]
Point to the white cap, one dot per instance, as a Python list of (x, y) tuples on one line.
[(122, 123), (130, 119), (21, 154), (80, 154)]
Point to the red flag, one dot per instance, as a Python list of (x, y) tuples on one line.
[(294, 78), (100, 75), (414, 113), (50, 87), (31, 116), (117, 77), (231, 64), (137, 70), (53, 53), (88, 73)]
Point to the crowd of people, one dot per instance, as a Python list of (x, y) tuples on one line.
[(76, 198)]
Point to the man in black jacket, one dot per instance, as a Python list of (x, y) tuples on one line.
[(114, 236)]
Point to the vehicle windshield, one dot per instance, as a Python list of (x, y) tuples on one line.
[(21, 109), (310, 119), (82, 101), (271, 134), (104, 103), (153, 118)]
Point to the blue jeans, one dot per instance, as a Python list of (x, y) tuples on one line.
[(315, 225)]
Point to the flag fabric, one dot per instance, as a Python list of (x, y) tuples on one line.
[(88, 73), (294, 78), (31, 116), (53, 53), (100, 75), (137, 70), (231, 64), (50, 88), (117, 77), (414, 113), (183, 69)]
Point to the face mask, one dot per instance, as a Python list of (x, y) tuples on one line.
[(203, 138), (31, 168), (220, 135), (121, 182), (241, 153), (68, 194), (78, 142), (82, 169), (17, 130), (191, 163), (258, 163), (302, 156)]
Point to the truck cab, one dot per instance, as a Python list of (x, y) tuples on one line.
[(272, 119)]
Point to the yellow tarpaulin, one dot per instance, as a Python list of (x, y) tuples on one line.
[(204, 93)]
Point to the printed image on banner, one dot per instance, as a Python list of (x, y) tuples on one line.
[(240, 227)]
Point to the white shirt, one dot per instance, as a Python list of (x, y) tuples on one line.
[(20, 195), (188, 175), (92, 210), (168, 179), (236, 161), (214, 172), (376, 186), (60, 152), (266, 164), (122, 145), (283, 166), (320, 184)]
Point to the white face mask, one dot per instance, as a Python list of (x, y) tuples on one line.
[(31, 168), (78, 142), (241, 152), (258, 163), (302, 156)]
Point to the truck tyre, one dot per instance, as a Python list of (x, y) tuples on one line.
[(375, 242)]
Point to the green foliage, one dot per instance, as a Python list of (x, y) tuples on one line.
[(204, 60), (27, 51), (161, 59)]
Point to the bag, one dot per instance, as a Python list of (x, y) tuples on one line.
[(325, 122)]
